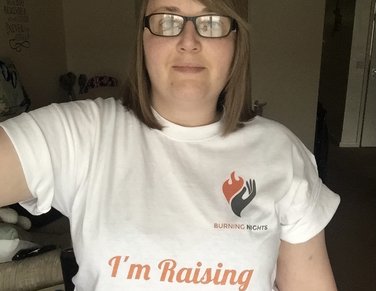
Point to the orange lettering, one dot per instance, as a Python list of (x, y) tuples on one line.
[(195, 275), (206, 277), (217, 273), (244, 279), (114, 263), (167, 267), (139, 270), (232, 279), (184, 275)]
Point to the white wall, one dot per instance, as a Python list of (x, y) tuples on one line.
[(354, 109), (286, 56)]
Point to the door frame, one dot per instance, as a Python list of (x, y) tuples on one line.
[(371, 50)]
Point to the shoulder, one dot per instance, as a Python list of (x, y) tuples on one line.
[(270, 136), (82, 116), (269, 130), (87, 105), (82, 110), (259, 121)]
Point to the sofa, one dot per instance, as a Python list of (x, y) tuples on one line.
[(43, 270)]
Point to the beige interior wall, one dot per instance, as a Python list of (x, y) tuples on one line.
[(286, 56), (41, 64), (99, 36)]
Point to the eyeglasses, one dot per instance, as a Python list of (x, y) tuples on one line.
[(210, 26)]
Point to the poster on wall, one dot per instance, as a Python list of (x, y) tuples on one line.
[(16, 24)]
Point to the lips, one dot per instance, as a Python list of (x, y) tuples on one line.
[(188, 68)]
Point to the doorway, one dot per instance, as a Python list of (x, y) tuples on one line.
[(368, 138)]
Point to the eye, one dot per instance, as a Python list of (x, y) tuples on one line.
[(212, 26), (170, 24)]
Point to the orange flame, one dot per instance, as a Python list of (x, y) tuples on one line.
[(232, 186)]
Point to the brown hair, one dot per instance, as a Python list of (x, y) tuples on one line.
[(234, 100)]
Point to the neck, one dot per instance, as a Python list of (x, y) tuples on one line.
[(189, 117)]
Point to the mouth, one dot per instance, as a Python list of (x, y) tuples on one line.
[(192, 69)]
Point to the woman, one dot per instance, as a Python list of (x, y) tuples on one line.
[(184, 188)]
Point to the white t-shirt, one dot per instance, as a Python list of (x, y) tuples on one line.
[(177, 209)]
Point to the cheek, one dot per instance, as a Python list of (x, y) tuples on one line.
[(230, 53), (226, 55), (153, 65), (148, 54), (155, 54)]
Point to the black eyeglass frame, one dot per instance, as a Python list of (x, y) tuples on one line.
[(234, 24)]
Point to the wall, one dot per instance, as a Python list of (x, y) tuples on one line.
[(354, 109), (41, 64), (99, 36), (286, 55)]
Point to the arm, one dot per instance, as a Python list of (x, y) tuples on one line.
[(13, 187), (305, 266)]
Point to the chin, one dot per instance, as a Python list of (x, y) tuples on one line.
[(189, 94), (190, 87)]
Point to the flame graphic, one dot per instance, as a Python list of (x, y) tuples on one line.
[(232, 186), (239, 194)]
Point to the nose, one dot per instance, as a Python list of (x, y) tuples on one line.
[(189, 39)]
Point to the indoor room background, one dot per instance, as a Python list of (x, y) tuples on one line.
[(304, 53)]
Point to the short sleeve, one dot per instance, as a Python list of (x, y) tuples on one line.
[(53, 144), (315, 219), (308, 205), (35, 159)]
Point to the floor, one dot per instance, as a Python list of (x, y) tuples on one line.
[(351, 235)]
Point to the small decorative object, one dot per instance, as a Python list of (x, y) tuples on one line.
[(258, 107), (82, 80), (67, 82), (101, 81), (13, 98)]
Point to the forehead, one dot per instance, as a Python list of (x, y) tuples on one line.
[(178, 6)]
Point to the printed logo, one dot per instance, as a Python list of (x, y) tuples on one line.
[(239, 193)]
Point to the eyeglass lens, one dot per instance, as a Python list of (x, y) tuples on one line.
[(206, 25)]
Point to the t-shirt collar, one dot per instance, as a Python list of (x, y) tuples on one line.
[(184, 133)]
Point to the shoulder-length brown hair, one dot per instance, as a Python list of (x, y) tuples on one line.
[(234, 101)]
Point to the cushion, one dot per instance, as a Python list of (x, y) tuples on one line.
[(33, 273), (13, 239)]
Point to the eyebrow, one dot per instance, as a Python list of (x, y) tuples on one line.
[(174, 9)]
